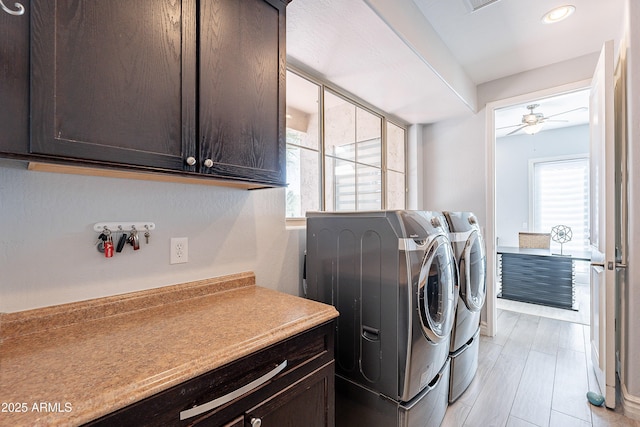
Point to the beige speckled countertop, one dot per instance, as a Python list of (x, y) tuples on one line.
[(69, 364)]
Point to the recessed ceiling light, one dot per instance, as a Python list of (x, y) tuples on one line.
[(558, 14)]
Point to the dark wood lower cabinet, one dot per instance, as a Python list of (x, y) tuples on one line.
[(238, 422), (301, 393), (309, 403)]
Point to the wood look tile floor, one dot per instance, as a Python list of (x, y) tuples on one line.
[(534, 372)]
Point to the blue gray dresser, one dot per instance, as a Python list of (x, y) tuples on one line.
[(538, 276)]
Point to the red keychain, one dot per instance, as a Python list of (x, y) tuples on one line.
[(108, 247)]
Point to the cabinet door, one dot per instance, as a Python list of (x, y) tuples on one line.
[(309, 402), (14, 82), (242, 82), (114, 80)]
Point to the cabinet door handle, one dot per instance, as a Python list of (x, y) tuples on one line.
[(191, 160), (200, 409), (208, 163)]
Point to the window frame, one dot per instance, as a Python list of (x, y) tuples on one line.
[(385, 119)]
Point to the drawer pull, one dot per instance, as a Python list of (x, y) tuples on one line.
[(200, 409)]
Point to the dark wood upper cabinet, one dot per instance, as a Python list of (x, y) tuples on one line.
[(241, 79), (114, 80), (190, 86), (14, 82)]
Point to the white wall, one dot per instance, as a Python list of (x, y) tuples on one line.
[(47, 252), (512, 173), (454, 166)]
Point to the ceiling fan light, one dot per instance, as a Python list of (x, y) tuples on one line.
[(533, 129), (558, 14)]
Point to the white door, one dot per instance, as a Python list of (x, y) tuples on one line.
[(603, 228)]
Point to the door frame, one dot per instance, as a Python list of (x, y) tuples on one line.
[(490, 326)]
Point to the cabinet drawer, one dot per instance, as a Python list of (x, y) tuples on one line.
[(247, 381)]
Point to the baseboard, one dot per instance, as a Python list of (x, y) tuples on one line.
[(483, 328), (630, 404)]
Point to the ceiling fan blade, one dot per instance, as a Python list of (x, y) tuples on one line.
[(565, 112), (510, 126), (514, 131)]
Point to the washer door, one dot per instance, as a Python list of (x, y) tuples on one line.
[(473, 274), (437, 290)]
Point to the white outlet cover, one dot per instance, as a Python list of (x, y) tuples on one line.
[(179, 250)]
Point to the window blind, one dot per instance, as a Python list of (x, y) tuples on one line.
[(561, 197)]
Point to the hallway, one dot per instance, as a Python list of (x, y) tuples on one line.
[(534, 372)]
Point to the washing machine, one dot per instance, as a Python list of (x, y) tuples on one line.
[(392, 277), (470, 253)]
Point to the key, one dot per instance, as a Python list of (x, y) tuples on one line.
[(146, 236)]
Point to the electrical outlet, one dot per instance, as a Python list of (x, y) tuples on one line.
[(179, 250)]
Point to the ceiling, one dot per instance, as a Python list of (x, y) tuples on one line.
[(421, 60)]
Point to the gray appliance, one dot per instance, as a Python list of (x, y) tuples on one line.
[(392, 277), (470, 252)]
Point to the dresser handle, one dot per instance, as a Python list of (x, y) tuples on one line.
[(205, 407)]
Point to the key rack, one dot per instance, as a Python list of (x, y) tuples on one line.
[(141, 226), (114, 236)]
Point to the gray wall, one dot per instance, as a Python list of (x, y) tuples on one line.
[(512, 173), (47, 252)]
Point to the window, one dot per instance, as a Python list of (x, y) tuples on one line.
[(561, 197), (341, 156), (353, 156), (303, 146)]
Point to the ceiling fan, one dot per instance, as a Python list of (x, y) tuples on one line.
[(532, 122)]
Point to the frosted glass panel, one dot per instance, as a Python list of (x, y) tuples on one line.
[(339, 127), (303, 179), (368, 138), (369, 184), (303, 114), (395, 148), (395, 190)]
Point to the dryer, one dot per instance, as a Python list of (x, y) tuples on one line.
[(391, 275), (470, 252)]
